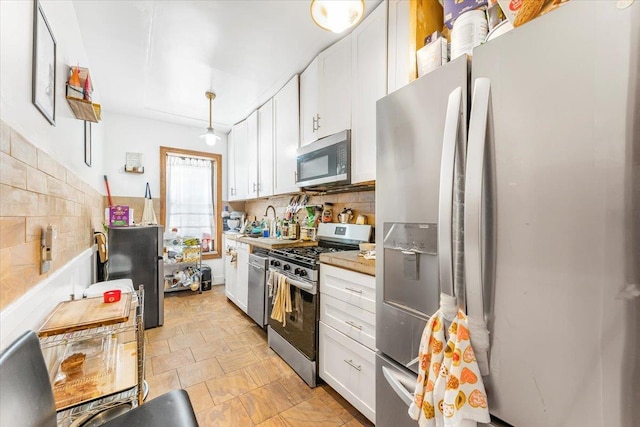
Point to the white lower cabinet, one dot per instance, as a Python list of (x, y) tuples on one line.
[(350, 368), (359, 325), (242, 279), (230, 268), (347, 340), (349, 286), (236, 273)]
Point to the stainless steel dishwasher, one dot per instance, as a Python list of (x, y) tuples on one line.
[(257, 302)]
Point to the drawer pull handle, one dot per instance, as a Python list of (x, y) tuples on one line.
[(358, 291), (350, 363), (350, 323)]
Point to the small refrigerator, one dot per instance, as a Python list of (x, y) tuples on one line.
[(136, 253)]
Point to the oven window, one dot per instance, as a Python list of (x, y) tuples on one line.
[(300, 330), (313, 168)]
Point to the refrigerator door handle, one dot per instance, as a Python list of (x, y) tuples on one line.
[(473, 217), (397, 386), (473, 196), (445, 210)]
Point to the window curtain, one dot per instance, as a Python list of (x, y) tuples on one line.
[(190, 196)]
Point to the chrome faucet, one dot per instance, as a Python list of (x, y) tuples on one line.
[(272, 223), (266, 212)]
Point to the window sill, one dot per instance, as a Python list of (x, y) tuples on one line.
[(211, 255)]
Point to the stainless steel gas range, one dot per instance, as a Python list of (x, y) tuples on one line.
[(296, 340)]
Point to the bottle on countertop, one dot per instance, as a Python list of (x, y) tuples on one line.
[(225, 212)]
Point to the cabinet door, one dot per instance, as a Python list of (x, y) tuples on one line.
[(231, 168), (309, 87), (252, 155), (350, 368), (230, 271), (354, 322), (265, 148), (241, 160), (242, 279), (334, 68), (398, 45), (287, 137), (349, 286), (369, 68)]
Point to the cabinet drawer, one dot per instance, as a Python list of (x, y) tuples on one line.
[(350, 368), (354, 322), (349, 286)]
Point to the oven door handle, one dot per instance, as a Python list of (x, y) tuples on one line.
[(302, 285)]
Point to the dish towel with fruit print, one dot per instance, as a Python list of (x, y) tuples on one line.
[(449, 391)]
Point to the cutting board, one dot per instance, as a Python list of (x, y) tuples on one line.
[(69, 316)]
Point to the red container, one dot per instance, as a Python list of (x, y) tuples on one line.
[(112, 296)]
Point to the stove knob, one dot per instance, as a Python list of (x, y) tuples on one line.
[(297, 271), (303, 273), (286, 267), (275, 263)]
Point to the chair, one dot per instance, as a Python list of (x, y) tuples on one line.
[(26, 396)]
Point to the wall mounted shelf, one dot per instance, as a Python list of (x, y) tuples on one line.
[(135, 169), (85, 110), (79, 90)]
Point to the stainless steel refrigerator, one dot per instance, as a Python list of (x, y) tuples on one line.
[(518, 190), (136, 253)]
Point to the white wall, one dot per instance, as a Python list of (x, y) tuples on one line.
[(30, 311), (64, 141), (123, 134), (127, 134)]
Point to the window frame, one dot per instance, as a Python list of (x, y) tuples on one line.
[(217, 163)]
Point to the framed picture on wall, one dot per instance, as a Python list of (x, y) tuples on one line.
[(44, 65), (87, 143)]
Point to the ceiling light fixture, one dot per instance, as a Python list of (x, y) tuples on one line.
[(337, 15), (210, 137)]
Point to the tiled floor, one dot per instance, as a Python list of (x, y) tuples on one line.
[(218, 354)]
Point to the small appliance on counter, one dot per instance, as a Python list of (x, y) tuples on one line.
[(233, 222)]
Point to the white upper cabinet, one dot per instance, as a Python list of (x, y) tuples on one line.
[(252, 155), (241, 161), (369, 77), (265, 149), (325, 93), (334, 70), (286, 113), (398, 36), (309, 103), (231, 167)]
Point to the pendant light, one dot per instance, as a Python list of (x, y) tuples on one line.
[(210, 137), (337, 15)]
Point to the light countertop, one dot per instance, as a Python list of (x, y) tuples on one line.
[(350, 261)]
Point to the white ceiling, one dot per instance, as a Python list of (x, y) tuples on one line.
[(156, 59)]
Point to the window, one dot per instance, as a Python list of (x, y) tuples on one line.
[(190, 183)]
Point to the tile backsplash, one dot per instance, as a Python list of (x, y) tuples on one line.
[(360, 202), (35, 191)]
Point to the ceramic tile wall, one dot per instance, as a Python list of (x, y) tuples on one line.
[(361, 203), (36, 191)]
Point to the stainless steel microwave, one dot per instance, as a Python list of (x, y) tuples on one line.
[(325, 162)]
